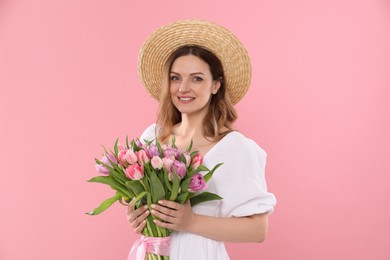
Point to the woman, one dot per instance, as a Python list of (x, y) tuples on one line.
[(205, 72)]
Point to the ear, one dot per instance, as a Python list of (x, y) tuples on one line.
[(216, 86)]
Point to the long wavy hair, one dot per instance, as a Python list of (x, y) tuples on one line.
[(221, 113)]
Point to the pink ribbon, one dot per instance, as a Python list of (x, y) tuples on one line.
[(152, 245)]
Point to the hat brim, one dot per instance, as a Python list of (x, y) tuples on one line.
[(215, 38)]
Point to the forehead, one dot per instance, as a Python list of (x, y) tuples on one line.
[(190, 64)]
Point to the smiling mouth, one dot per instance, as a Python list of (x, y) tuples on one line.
[(186, 99)]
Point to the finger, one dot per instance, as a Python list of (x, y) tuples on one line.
[(169, 204), (140, 227), (163, 217), (130, 207), (139, 220), (165, 224), (132, 215), (165, 210)]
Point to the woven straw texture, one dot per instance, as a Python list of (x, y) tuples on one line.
[(226, 46)]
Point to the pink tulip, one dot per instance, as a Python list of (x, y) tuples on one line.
[(197, 183), (131, 157), (197, 161), (168, 163), (157, 163), (121, 147), (121, 157), (142, 157), (134, 172)]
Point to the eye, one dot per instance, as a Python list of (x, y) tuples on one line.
[(197, 78), (174, 78)]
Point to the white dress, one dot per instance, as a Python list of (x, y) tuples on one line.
[(239, 181)]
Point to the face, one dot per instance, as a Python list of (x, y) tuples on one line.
[(191, 84)]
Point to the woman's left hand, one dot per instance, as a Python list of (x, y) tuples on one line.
[(175, 216)]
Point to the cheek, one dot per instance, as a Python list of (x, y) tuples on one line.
[(173, 88)]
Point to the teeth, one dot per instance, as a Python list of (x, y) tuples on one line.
[(186, 99)]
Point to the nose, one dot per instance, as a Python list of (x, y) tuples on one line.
[(184, 87)]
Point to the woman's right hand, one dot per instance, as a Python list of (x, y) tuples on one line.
[(137, 217)]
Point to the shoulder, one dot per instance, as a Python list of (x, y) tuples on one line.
[(236, 141), (150, 132)]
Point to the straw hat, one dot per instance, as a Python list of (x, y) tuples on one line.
[(215, 38)]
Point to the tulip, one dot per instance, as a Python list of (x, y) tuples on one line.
[(121, 147), (134, 172), (131, 157), (108, 159), (142, 157), (197, 183), (157, 162), (168, 163), (197, 161), (180, 169), (121, 157), (170, 151), (152, 151)]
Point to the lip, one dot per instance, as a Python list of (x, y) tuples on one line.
[(185, 99)]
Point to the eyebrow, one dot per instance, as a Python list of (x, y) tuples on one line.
[(195, 73)]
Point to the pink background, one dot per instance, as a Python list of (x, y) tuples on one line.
[(318, 104)]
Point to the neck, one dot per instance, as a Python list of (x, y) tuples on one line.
[(190, 126)]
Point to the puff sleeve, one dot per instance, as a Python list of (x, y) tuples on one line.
[(240, 181)]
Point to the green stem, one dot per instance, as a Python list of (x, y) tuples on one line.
[(149, 200)]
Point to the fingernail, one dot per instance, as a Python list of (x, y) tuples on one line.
[(146, 207), (160, 202), (153, 206), (152, 211)]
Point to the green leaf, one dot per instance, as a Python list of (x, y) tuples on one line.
[(194, 153), (140, 196), (182, 198), (127, 142), (160, 150), (202, 168), (204, 196), (116, 147), (115, 170), (109, 180), (157, 189), (166, 181), (104, 205), (175, 186), (174, 142), (135, 186), (105, 150), (183, 159), (185, 184), (208, 176), (190, 147)]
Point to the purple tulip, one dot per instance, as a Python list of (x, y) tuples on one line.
[(152, 151), (170, 151), (180, 169), (197, 183), (138, 142), (108, 159)]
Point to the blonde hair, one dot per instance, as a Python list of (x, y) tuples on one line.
[(221, 113)]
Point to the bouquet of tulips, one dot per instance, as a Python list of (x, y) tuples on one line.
[(150, 172)]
